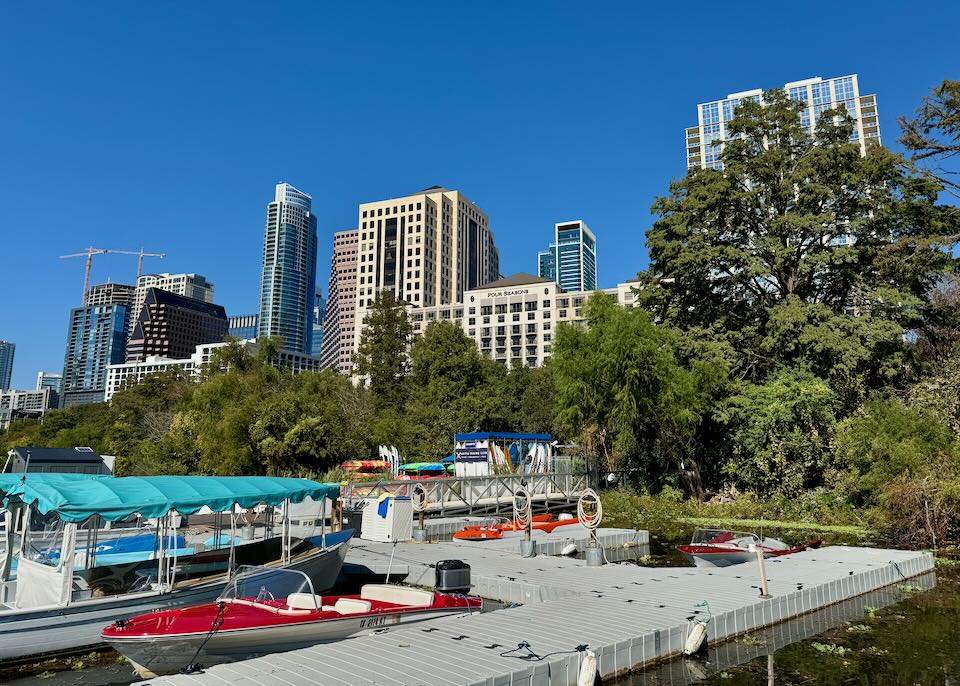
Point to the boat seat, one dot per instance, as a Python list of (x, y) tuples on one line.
[(398, 595), (349, 606), (304, 601)]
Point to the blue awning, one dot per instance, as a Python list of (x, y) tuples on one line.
[(113, 499), (485, 435)]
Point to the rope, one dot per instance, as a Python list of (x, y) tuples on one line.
[(590, 499), (532, 656), (522, 514), (192, 666)]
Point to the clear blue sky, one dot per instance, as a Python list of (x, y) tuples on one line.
[(167, 124)]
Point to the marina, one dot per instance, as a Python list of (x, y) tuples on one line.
[(628, 616)]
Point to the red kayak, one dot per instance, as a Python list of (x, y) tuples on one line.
[(260, 614), (486, 533)]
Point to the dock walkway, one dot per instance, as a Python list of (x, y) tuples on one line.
[(628, 615)]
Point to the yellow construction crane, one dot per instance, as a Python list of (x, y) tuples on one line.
[(90, 252)]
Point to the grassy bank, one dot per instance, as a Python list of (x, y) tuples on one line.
[(672, 514)]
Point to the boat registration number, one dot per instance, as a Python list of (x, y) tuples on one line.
[(368, 622)]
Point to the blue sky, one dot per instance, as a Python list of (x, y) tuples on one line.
[(167, 125)]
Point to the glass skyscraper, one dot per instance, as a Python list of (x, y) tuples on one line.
[(289, 275), (571, 260), (7, 349), (96, 337), (705, 141), (319, 314)]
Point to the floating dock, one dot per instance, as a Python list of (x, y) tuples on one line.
[(629, 616)]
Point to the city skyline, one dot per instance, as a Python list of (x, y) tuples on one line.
[(203, 170)]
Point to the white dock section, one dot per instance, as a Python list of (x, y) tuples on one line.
[(628, 615)]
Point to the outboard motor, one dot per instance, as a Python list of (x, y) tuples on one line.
[(453, 576)]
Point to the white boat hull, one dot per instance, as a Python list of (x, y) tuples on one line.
[(153, 657), (29, 633)]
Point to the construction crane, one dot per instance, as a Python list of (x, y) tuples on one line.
[(91, 251)]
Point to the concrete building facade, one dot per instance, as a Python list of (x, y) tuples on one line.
[(513, 320), (289, 269), (340, 315), (705, 140), (7, 351), (428, 248), (110, 294), (134, 372), (16, 405)]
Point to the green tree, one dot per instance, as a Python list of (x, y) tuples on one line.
[(780, 433), (797, 246), (453, 389), (933, 136), (382, 352), (621, 391)]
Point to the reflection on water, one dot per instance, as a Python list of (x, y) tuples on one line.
[(904, 634)]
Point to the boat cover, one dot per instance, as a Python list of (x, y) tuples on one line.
[(9, 480), (113, 499)]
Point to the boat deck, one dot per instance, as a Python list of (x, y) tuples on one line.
[(628, 615)]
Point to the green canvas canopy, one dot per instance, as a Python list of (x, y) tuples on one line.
[(113, 499)]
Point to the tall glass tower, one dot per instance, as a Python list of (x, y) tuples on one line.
[(289, 275), (7, 350), (96, 337), (571, 260), (705, 140)]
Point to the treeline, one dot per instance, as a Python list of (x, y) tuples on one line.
[(246, 417), (797, 336)]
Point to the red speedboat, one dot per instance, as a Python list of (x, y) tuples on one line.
[(268, 611), (720, 548)]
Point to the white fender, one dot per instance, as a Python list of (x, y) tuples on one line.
[(696, 638), (569, 549), (588, 669), (565, 516)]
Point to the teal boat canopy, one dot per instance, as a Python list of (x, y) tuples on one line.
[(10, 480), (113, 499)]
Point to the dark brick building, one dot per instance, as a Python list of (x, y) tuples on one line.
[(171, 325)]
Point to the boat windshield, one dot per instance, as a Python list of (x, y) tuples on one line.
[(716, 536), (266, 584)]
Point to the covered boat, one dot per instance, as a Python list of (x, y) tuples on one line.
[(266, 611), (722, 548), (61, 598)]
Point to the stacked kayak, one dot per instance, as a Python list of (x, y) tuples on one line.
[(365, 469)]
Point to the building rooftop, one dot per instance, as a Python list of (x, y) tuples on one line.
[(521, 279), (45, 455)]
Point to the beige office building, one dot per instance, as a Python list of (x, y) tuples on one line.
[(514, 320), (336, 349), (428, 248)]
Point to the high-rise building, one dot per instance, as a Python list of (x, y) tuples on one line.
[(705, 140), (427, 248), (190, 285), (571, 260), (319, 312), (52, 381), (96, 337), (243, 326), (110, 294), (547, 263), (172, 326), (289, 275), (338, 321), (7, 350)]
